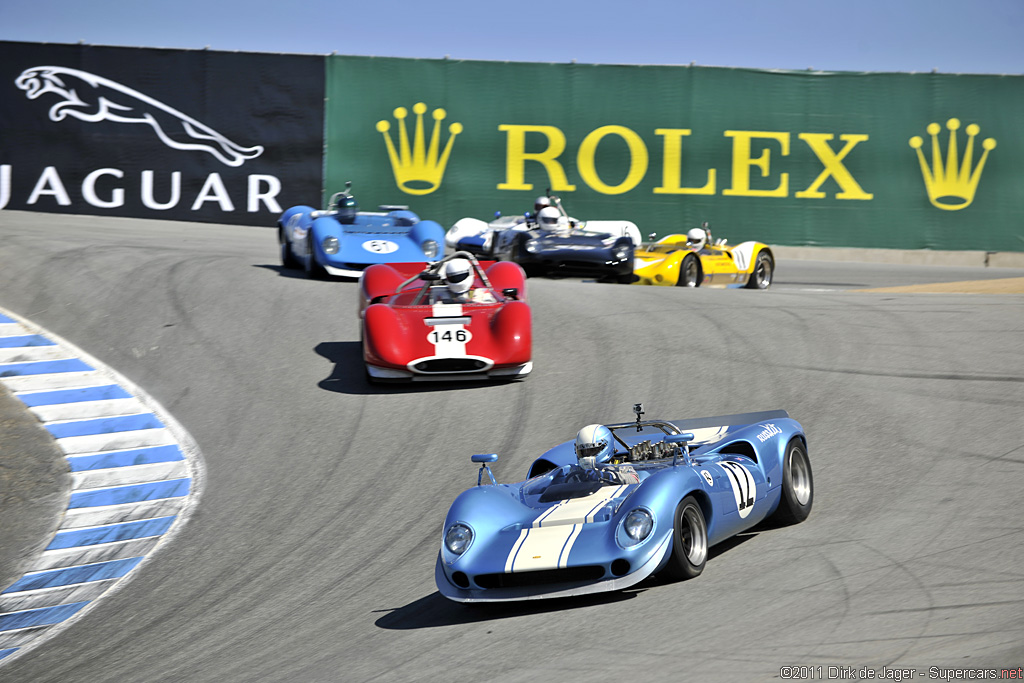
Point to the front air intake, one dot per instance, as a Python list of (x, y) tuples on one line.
[(440, 365), (543, 577)]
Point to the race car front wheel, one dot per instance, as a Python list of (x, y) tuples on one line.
[(689, 272), (797, 485), (314, 271), (287, 257), (689, 542), (764, 267)]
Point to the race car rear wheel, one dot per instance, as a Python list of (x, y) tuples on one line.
[(689, 542), (288, 259), (764, 268), (689, 272), (797, 485)]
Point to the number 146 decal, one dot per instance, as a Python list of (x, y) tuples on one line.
[(459, 336)]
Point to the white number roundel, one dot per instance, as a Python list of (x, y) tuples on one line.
[(459, 336), (380, 246), (744, 489)]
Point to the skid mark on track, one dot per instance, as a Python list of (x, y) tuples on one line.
[(135, 478)]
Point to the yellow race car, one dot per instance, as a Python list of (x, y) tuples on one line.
[(694, 260)]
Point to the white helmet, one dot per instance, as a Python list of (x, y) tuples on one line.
[(594, 442), (696, 238), (459, 275), (551, 218), (540, 203)]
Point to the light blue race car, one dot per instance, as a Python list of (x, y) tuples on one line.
[(647, 497), (343, 241)]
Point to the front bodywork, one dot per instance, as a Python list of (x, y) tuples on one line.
[(530, 542), (419, 333), (720, 265), (395, 235)]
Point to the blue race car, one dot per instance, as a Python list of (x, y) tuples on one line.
[(343, 240), (628, 501)]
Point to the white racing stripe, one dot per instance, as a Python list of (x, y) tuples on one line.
[(548, 541), (449, 340)]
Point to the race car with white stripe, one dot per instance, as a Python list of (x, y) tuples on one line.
[(572, 528), (342, 241), (415, 330)]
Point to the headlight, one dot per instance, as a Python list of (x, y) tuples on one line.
[(457, 538), (620, 253), (429, 248), (638, 525), (533, 246), (330, 245)]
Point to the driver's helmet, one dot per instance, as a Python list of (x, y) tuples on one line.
[(594, 441), (347, 209), (696, 238), (458, 273), (541, 203), (551, 218)]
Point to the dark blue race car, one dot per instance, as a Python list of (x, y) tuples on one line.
[(665, 493), (552, 243), (342, 240)]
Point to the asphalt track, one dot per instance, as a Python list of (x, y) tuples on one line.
[(310, 556)]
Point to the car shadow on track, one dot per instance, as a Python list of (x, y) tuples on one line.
[(297, 274), (435, 610), (349, 374)]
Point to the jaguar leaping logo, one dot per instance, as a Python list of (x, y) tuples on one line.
[(92, 98)]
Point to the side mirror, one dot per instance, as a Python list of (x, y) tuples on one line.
[(685, 438), (497, 214), (510, 293), (483, 459), (679, 438), (429, 276), (652, 236)]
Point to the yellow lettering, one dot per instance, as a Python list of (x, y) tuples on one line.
[(742, 162), (818, 142), (637, 159), (673, 155), (516, 157)]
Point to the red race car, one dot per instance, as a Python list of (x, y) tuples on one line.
[(456, 319)]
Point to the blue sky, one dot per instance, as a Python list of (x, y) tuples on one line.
[(951, 36)]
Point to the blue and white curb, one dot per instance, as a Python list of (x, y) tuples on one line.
[(135, 479)]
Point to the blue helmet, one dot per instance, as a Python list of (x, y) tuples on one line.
[(595, 441), (347, 209)]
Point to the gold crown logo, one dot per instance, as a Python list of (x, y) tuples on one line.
[(951, 186), (418, 170)]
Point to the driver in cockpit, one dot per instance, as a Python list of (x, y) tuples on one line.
[(458, 276), (595, 447)]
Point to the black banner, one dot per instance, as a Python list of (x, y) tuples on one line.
[(190, 135)]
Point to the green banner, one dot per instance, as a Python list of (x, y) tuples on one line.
[(902, 161)]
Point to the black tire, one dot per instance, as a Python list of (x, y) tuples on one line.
[(627, 279), (314, 271), (797, 485), (288, 259), (689, 542), (689, 272), (764, 268)]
